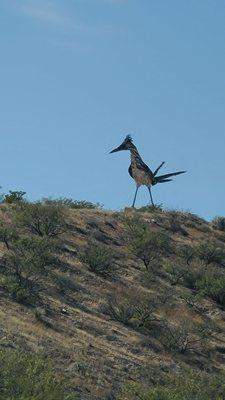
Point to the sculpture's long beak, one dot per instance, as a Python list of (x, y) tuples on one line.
[(121, 147)]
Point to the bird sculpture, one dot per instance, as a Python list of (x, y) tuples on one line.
[(140, 172)]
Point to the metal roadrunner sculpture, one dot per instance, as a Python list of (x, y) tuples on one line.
[(140, 172)]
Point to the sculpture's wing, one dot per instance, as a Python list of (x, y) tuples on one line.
[(130, 171)]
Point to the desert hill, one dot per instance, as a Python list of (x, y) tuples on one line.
[(114, 302)]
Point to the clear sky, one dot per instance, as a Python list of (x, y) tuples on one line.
[(76, 76)]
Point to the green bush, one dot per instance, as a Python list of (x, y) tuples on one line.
[(7, 233), (128, 305), (19, 290), (212, 284), (70, 203), (147, 245), (176, 270), (193, 276), (30, 259), (26, 376), (41, 219), (99, 258), (121, 305), (14, 197), (151, 209), (187, 253), (175, 225), (188, 336), (211, 253), (186, 386), (65, 282)]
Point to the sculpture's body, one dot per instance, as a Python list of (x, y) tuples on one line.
[(140, 172)]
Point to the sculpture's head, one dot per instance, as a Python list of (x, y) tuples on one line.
[(126, 145)]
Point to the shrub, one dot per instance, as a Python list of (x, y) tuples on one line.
[(65, 283), (219, 223), (121, 305), (186, 386), (181, 270), (193, 276), (28, 262), (185, 337), (194, 301), (42, 219), (70, 203), (145, 312), (99, 258), (175, 224), (211, 252), (177, 271), (26, 376), (147, 245), (14, 197), (128, 305), (150, 208), (212, 284), (7, 233), (187, 253), (19, 290), (41, 316)]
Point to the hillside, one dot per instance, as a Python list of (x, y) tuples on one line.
[(130, 297)]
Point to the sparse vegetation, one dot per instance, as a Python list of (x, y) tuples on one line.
[(154, 297)]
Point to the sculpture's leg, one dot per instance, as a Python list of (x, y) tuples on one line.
[(135, 196), (149, 189)]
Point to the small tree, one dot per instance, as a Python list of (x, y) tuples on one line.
[(42, 219)]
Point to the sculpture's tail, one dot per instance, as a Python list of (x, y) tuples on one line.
[(164, 178)]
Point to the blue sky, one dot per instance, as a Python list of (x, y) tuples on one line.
[(76, 76)]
